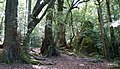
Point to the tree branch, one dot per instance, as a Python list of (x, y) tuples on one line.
[(38, 7), (35, 20), (99, 2), (81, 2)]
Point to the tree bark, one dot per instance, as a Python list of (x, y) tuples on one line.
[(1, 32), (11, 42), (34, 20), (113, 48), (48, 46), (100, 19), (61, 41)]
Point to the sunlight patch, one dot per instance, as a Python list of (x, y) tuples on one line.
[(115, 24), (39, 67), (82, 64), (41, 1), (42, 67)]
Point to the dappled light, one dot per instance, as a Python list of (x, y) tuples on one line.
[(39, 67), (59, 34), (115, 23)]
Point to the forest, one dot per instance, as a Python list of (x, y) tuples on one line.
[(59, 34)]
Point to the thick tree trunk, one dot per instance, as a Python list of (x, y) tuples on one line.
[(48, 46), (11, 42)]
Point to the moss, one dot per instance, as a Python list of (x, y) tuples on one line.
[(24, 57), (87, 47), (4, 59), (36, 62), (1, 55)]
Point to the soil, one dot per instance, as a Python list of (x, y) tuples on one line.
[(61, 62)]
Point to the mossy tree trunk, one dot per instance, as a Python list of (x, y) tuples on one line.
[(11, 42), (48, 45), (12, 50), (60, 41), (34, 20)]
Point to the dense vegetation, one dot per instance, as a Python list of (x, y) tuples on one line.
[(76, 27)]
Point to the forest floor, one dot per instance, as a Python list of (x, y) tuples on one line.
[(63, 62)]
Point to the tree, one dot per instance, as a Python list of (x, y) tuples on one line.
[(48, 45), (100, 19), (28, 17), (113, 48), (11, 43), (13, 52), (61, 41), (29, 10), (35, 20), (1, 30)]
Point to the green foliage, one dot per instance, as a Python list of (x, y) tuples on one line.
[(36, 37), (117, 60), (35, 41), (87, 25), (83, 22), (35, 62), (75, 43)]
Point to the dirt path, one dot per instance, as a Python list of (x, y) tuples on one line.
[(61, 62), (70, 62)]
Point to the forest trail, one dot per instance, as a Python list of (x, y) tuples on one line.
[(69, 62), (62, 62)]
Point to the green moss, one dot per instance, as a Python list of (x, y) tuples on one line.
[(24, 57), (4, 59), (36, 62), (1, 55)]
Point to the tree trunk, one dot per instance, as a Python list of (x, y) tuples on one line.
[(61, 41), (27, 42), (1, 32), (48, 46), (29, 10), (11, 42), (34, 20), (105, 48), (113, 48)]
